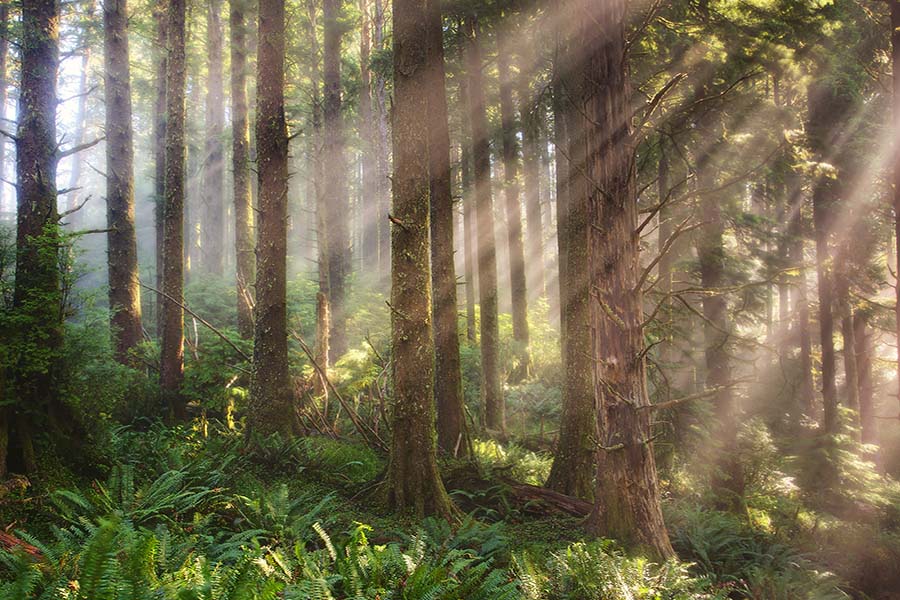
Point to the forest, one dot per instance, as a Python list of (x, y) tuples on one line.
[(449, 299)]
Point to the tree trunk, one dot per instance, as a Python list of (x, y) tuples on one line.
[(862, 335), (531, 178), (161, 56), (413, 481), (572, 471), (895, 61), (627, 497), (245, 265), (368, 133), (383, 148), (36, 298), (270, 389), (448, 370), (820, 131), (212, 233), (336, 200), (172, 346), (80, 121), (851, 379), (492, 395), (124, 289), (465, 169), (4, 92), (518, 285)]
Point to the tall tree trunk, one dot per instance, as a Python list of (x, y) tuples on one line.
[(820, 132), (37, 298), (245, 265), (529, 116), (172, 347), (572, 471), (4, 92), (468, 210), (518, 285), (161, 58), (336, 200), (797, 260), (627, 497), (862, 335), (413, 480), (851, 378), (383, 147), (124, 289), (212, 232), (448, 370), (270, 388), (492, 394), (368, 133)]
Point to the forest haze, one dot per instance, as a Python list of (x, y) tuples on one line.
[(460, 299)]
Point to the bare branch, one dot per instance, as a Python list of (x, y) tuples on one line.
[(76, 149)]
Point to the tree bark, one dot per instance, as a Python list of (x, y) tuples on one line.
[(492, 395), (529, 116), (336, 200), (369, 158), (161, 56), (413, 481), (864, 353), (80, 121), (383, 147), (270, 388), (124, 287), (37, 298), (245, 264), (627, 495), (895, 192), (172, 347), (572, 471), (4, 92), (448, 370), (518, 286), (212, 232), (465, 170)]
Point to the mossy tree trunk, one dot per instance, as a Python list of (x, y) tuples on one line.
[(572, 471), (124, 287), (37, 298), (245, 264), (492, 394), (413, 481), (172, 346), (271, 394), (627, 493)]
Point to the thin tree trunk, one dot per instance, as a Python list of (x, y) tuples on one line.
[(212, 233), (4, 92), (383, 148), (124, 288), (368, 133), (336, 200), (468, 210), (80, 121), (413, 480), (161, 56), (801, 305), (448, 370), (37, 298), (851, 378), (895, 61), (172, 347), (245, 260), (862, 335), (270, 388), (517, 280), (492, 395), (627, 498), (572, 471), (529, 116)]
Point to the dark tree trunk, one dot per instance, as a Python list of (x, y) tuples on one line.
[(517, 282), (627, 497), (37, 298), (161, 56), (212, 232), (124, 287), (492, 395), (448, 371), (572, 472), (820, 129), (337, 207), (468, 210), (413, 481), (172, 347), (862, 335), (4, 92), (245, 263), (851, 378), (270, 389)]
